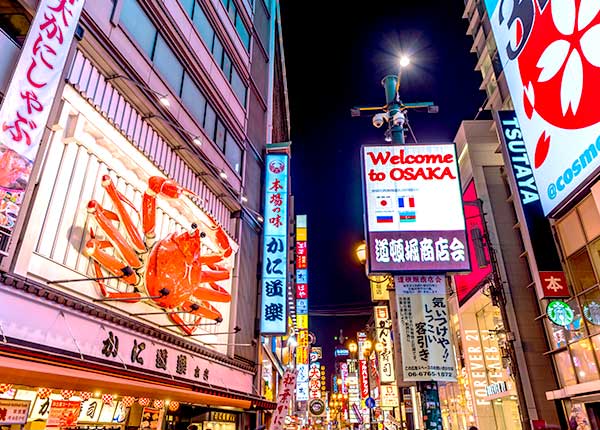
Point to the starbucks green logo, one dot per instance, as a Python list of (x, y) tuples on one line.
[(560, 313), (591, 312)]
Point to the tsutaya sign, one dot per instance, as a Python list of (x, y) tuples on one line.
[(273, 317), (29, 98), (406, 187), (549, 53)]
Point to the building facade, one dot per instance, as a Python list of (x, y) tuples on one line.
[(131, 240), (555, 202)]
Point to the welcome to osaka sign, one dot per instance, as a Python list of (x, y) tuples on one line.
[(550, 56), (413, 207)]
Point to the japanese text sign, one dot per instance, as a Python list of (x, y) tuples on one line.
[(406, 187), (302, 382), (63, 413), (283, 400), (424, 329), (383, 334), (554, 284), (389, 396), (29, 97), (548, 54), (14, 411), (363, 376), (275, 250)]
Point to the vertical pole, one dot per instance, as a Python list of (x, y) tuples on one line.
[(430, 400)]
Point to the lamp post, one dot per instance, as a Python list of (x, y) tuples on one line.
[(394, 114)]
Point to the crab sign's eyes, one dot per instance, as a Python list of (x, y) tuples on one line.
[(194, 226), (202, 235)]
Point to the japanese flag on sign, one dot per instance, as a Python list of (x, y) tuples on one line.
[(288, 384)]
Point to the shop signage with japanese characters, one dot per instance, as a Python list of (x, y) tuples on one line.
[(406, 187), (363, 376), (383, 334), (380, 284), (389, 396), (305, 385), (548, 51), (273, 316), (424, 329), (29, 97), (63, 413), (14, 412), (554, 284), (314, 383), (283, 400)]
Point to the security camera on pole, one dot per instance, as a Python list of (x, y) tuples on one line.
[(402, 184)]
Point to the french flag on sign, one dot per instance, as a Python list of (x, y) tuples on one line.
[(406, 202)]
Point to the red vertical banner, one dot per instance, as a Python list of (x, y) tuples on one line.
[(363, 374)]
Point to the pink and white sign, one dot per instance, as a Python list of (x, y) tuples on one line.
[(549, 53), (283, 400), (26, 106)]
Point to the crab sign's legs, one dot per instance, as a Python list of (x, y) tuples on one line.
[(94, 249), (202, 309), (165, 188)]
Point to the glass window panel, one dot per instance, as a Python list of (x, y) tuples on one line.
[(594, 251), (203, 26), (565, 368), (217, 51), (582, 273), (232, 10), (590, 218), (188, 6), (242, 31), (557, 335), (238, 87), (570, 233), (226, 66), (193, 99), (167, 64), (584, 361), (220, 137), (138, 25), (233, 153), (590, 306), (575, 330), (210, 122), (596, 344)]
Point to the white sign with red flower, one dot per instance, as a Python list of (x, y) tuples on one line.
[(550, 56)]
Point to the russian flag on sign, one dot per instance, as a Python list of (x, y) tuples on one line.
[(406, 202), (385, 219)]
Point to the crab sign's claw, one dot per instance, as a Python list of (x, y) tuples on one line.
[(200, 310), (221, 238), (163, 187)]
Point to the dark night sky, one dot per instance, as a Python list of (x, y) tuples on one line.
[(336, 53)]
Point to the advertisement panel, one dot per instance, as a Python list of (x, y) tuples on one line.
[(14, 412), (469, 283), (303, 383), (424, 329), (29, 97), (380, 284), (283, 400), (383, 334), (406, 187), (548, 51), (63, 413), (530, 212), (273, 315), (389, 396)]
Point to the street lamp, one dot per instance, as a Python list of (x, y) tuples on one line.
[(352, 347), (361, 252)]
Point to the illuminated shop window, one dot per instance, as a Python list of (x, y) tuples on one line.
[(581, 270), (565, 369), (584, 361), (590, 218), (570, 233)]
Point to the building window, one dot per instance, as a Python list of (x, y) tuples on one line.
[(584, 361), (237, 22), (565, 368), (139, 25), (233, 153), (193, 99), (215, 46), (167, 64)]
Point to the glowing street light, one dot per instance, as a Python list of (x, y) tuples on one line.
[(404, 61)]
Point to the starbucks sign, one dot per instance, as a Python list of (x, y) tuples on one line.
[(560, 313)]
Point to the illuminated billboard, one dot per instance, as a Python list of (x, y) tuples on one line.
[(549, 52), (273, 316), (407, 189)]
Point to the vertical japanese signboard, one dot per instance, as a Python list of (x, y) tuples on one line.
[(302, 356), (530, 212), (549, 55), (314, 383), (406, 187), (424, 329), (283, 400), (383, 333), (29, 97), (273, 316)]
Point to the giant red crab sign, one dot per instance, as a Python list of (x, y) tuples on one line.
[(172, 272)]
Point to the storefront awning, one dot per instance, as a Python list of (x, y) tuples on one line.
[(46, 372)]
